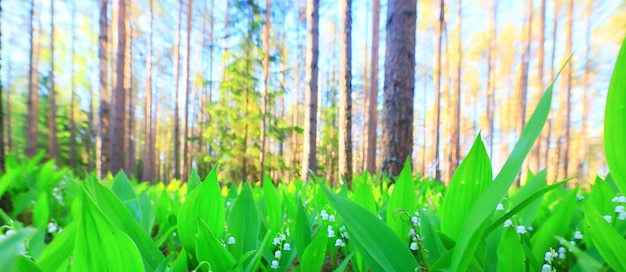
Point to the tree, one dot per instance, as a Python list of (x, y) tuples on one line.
[(266, 71), (176, 136), (345, 91), (582, 150), (186, 156), (33, 90), (2, 147), (437, 79), (399, 85), (118, 130), (309, 161), (73, 99), (540, 71), (105, 145), (523, 83), (568, 100), (53, 142), (149, 152), (455, 142), (373, 93), (553, 156), (491, 54)]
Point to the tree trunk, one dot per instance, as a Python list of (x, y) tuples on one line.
[(73, 101), (2, 147), (131, 161), (523, 84), (540, 60), (399, 85), (33, 90), (455, 142), (582, 140), (103, 142), (118, 130), (345, 91), (309, 161), (53, 142), (568, 105), (554, 155), (266, 68), (176, 136), (148, 156), (186, 144), (437, 79), (491, 55), (373, 93)]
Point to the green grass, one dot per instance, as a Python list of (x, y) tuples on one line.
[(58, 222)]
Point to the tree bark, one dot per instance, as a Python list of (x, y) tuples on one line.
[(568, 105), (266, 68), (582, 147), (53, 142), (455, 149), (131, 161), (309, 161), (103, 144), (437, 79), (540, 72), (176, 136), (491, 55), (523, 85), (399, 85), (345, 91), (33, 87), (373, 93), (148, 150), (118, 130), (73, 101), (186, 143), (553, 156)]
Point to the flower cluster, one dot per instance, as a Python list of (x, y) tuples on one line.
[(281, 244), (619, 210), (549, 258), (520, 229), (415, 223), (332, 225)]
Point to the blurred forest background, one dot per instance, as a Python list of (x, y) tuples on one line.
[(160, 87)]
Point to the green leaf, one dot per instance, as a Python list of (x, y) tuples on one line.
[(382, 249), (25, 264), (210, 249), (315, 252), (402, 199), (615, 121), (55, 254), (9, 249), (430, 235), (607, 240), (243, 223), (485, 205), (527, 215), (302, 228), (100, 245), (510, 252), (469, 181), (556, 225), (272, 206)]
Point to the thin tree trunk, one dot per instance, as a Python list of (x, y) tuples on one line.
[(131, 161), (455, 151), (438, 88), (53, 142), (176, 136), (73, 101), (345, 91), (186, 146), (523, 87), (266, 68), (118, 130), (2, 147), (491, 63), (540, 60), (399, 85), (33, 90), (103, 140), (582, 147), (555, 152), (148, 157), (568, 105), (309, 160), (373, 93)]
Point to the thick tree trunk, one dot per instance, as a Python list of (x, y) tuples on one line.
[(345, 91), (118, 130), (103, 141), (266, 70), (455, 142), (33, 90), (437, 79), (373, 93), (399, 85), (309, 161)]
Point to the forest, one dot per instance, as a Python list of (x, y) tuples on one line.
[(366, 135)]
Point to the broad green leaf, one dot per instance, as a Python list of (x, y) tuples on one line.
[(272, 206), (601, 195), (363, 194), (41, 211), (556, 225), (607, 240), (315, 252), (122, 189), (302, 230), (485, 205), (25, 264), (584, 261), (210, 249), (469, 181), (344, 264), (243, 223), (255, 260), (527, 215), (615, 121), (58, 251), (120, 215), (429, 232), (100, 245), (510, 252), (382, 249), (402, 199)]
